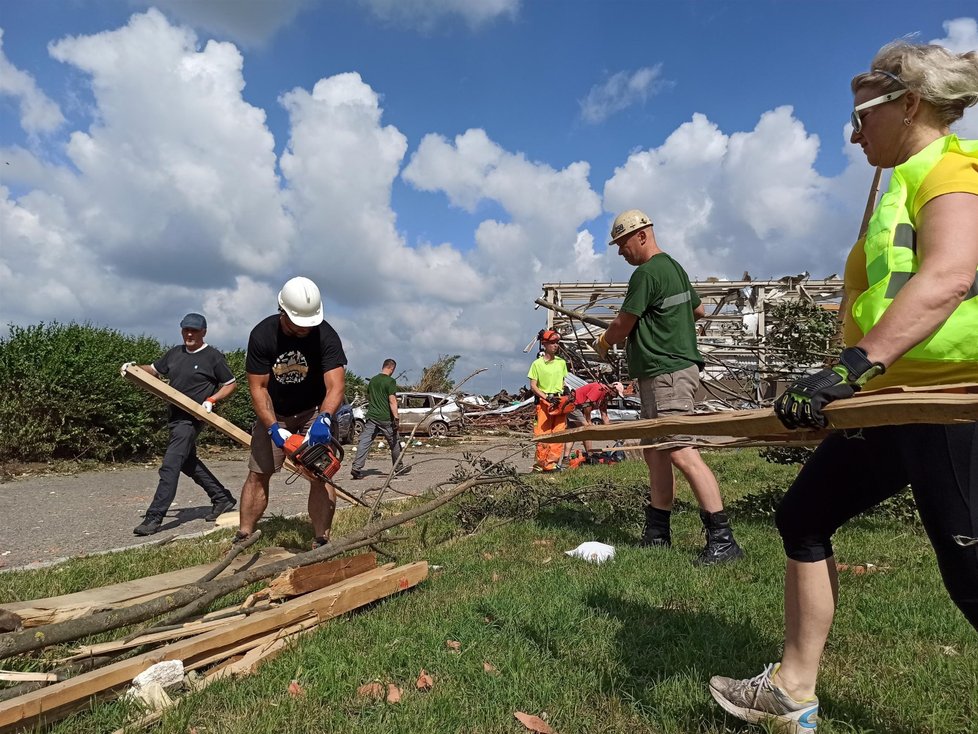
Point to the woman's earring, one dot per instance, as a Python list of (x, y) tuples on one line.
[(907, 121)]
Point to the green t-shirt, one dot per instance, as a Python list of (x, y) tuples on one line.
[(379, 390), (549, 375), (664, 337)]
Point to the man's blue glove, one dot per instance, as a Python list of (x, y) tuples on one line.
[(279, 435), (320, 430), (800, 406)]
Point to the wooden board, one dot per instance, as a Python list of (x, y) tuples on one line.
[(894, 406), (79, 604), (138, 376), (45, 704), (304, 579)]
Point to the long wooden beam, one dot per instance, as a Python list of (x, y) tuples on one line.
[(45, 704), (138, 376), (876, 408)]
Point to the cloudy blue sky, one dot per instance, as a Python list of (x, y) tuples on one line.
[(428, 162)]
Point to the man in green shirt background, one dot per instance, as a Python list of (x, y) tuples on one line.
[(381, 417), (658, 319)]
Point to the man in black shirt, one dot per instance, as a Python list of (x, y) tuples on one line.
[(202, 374), (296, 377)]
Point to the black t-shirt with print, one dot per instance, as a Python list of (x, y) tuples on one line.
[(295, 365), (198, 375)]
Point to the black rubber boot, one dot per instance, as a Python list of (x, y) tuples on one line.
[(720, 544), (656, 532)]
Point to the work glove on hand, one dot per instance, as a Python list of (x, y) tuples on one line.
[(126, 366), (208, 404), (279, 435), (800, 406), (601, 346), (320, 430)]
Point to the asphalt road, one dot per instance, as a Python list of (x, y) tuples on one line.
[(49, 518)]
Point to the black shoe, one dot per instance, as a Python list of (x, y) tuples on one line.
[(319, 541), (720, 544), (219, 508), (656, 533), (149, 526), (354, 474)]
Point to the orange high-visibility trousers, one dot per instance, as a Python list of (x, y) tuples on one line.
[(549, 420)]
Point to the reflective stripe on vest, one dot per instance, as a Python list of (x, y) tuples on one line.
[(891, 259)]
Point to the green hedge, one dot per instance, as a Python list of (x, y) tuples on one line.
[(63, 397)]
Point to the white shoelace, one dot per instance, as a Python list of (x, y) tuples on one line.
[(762, 680)]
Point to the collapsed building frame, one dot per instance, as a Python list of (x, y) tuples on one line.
[(742, 368)]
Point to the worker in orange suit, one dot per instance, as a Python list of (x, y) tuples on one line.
[(547, 375)]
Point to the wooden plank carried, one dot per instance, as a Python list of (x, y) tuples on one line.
[(304, 579), (138, 376), (36, 612), (955, 404), (46, 704)]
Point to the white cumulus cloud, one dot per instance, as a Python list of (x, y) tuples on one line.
[(962, 36), (249, 22), (38, 113), (620, 91), (722, 203), (426, 14)]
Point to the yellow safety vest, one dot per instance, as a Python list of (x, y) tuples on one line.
[(891, 259)]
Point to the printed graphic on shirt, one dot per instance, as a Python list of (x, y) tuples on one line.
[(290, 368)]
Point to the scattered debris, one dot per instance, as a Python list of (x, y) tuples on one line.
[(533, 723), (593, 552)]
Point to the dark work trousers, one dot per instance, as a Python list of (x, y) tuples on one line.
[(852, 471), (386, 429), (181, 456)]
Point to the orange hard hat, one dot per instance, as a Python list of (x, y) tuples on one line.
[(549, 335)]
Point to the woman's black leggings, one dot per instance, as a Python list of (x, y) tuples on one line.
[(852, 471)]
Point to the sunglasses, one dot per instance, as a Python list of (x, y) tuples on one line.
[(857, 120)]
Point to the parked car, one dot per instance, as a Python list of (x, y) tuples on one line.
[(628, 408), (344, 424), (416, 408)]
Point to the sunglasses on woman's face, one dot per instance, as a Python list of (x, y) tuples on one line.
[(857, 120)]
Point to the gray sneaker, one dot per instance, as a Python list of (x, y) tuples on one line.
[(758, 700)]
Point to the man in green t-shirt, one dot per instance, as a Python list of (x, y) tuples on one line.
[(658, 319), (381, 417)]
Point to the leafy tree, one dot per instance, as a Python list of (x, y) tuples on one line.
[(437, 377), (807, 335), (804, 331)]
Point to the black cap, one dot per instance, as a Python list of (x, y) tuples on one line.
[(193, 321)]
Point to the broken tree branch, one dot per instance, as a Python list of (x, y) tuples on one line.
[(177, 602)]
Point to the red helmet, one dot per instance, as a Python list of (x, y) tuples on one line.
[(549, 336)]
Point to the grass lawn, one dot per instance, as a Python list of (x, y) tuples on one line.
[(627, 646)]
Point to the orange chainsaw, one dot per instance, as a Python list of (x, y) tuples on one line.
[(320, 460)]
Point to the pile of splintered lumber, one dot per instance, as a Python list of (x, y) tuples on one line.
[(230, 642), (520, 420)]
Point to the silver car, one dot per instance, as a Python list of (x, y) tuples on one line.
[(628, 408), (416, 408)]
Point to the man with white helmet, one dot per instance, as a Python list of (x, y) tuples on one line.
[(297, 377), (657, 318)]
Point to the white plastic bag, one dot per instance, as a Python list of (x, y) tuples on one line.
[(593, 552)]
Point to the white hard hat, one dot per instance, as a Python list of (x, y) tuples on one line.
[(626, 223), (301, 302)]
